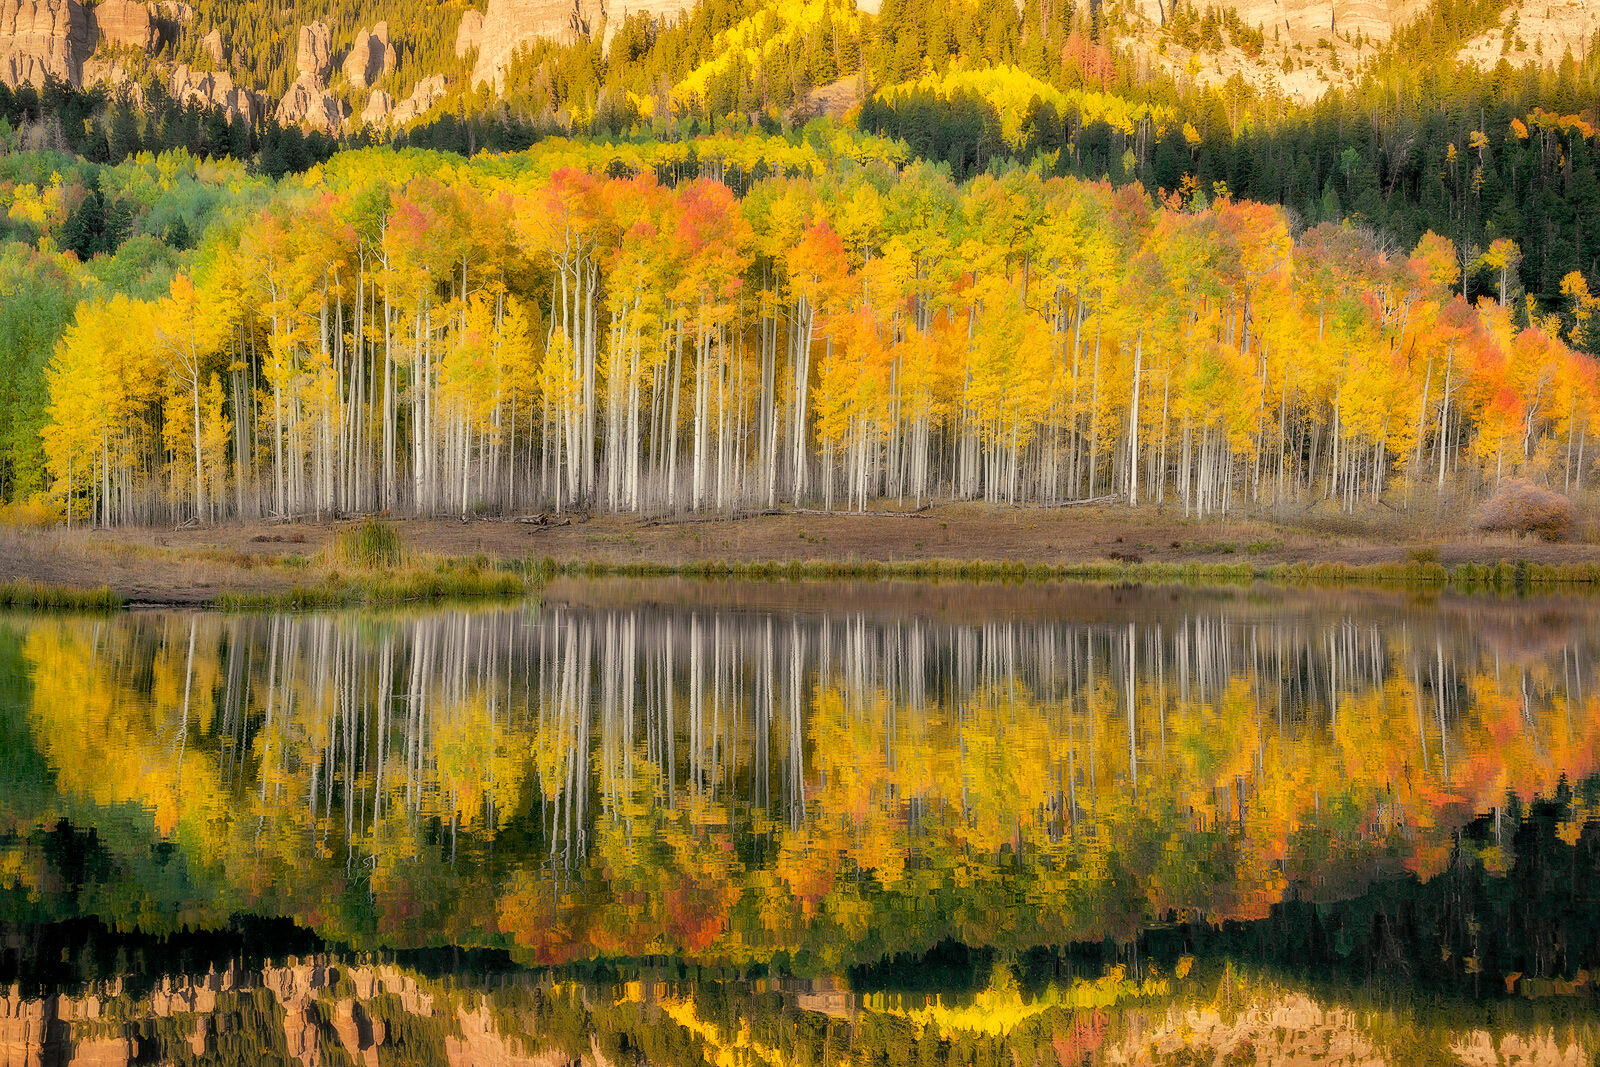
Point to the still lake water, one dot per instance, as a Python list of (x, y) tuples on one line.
[(679, 823)]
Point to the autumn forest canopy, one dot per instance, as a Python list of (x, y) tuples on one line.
[(1026, 268), (776, 324)]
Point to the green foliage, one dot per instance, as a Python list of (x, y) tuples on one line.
[(94, 226), (38, 295), (98, 128)]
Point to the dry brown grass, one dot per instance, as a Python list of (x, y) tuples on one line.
[(198, 565)]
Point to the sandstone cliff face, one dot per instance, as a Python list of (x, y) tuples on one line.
[(113, 73), (1305, 21), (370, 58), (1301, 31), (427, 93), (469, 34), (41, 39), (308, 102), (311, 105), (213, 89), (1550, 30), (381, 110), (124, 24), (313, 54), (510, 24), (379, 105)]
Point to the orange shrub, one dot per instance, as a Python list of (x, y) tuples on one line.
[(1522, 508)]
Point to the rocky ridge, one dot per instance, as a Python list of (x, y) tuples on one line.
[(313, 55), (469, 34), (381, 110), (1308, 47), (124, 24), (308, 102), (1311, 46), (40, 39), (508, 25), (214, 89), (371, 57)]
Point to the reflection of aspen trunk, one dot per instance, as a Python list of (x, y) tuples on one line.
[(1444, 745), (1133, 728)]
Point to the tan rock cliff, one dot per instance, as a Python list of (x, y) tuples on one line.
[(124, 24), (43, 38), (371, 57)]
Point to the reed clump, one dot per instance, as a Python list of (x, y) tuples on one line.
[(370, 544), (368, 564), (38, 595)]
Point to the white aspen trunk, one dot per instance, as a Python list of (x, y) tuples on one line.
[(1133, 423)]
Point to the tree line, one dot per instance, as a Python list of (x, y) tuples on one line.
[(1489, 156), (411, 335), (104, 127)]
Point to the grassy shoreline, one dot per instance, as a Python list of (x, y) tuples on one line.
[(373, 591), (353, 563), (46, 596), (515, 580), (1504, 575)]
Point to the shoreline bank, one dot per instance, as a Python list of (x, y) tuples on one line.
[(270, 564)]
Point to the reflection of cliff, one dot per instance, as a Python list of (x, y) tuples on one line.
[(315, 1012), (1159, 1004)]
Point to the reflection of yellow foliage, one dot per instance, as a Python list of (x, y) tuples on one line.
[(477, 765), (1081, 809), (113, 747), (741, 1050), (1002, 1007)]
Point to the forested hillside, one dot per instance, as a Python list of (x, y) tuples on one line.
[(259, 43), (1414, 138)]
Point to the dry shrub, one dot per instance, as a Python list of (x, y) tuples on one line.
[(1522, 508)]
